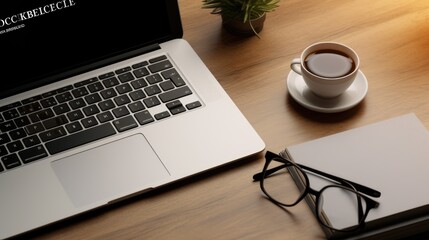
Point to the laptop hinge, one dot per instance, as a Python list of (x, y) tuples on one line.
[(118, 58), (146, 49)]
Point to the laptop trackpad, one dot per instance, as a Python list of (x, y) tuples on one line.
[(110, 171)]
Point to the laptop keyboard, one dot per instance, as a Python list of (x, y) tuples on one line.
[(74, 115)]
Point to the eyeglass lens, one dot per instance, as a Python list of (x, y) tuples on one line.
[(276, 185), (341, 207)]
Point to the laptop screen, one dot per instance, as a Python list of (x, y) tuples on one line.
[(40, 39)]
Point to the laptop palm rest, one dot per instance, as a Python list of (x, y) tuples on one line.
[(110, 171)]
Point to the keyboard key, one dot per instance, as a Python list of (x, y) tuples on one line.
[(10, 114), (125, 123), (91, 110), (151, 102), (22, 121), (162, 115), (11, 161), (74, 127), (75, 115), (48, 102), (4, 138), (137, 95), (17, 133), (178, 81), (140, 83), (60, 109), (7, 126), (144, 117), (193, 105), (78, 103), (89, 122), (106, 75), (122, 70), (174, 76), (55, 122), (80, 92), (141, 72), (108, 93), (52, 134), (136, 106), (106, 105), (34, 128), (64, 97), (31, 141), (126, 77), (14, 146), (124, 88), (110, 82), (160, 66), (105, 117), (120, 111), (93, 98), (175, 107), (175, 94), (139, 65), (95, 87), (152, 90), (122, 100), (157, 59), (169, 73), (173, 104), (80, 138), (167, 85), (156, 78), (33, 154)]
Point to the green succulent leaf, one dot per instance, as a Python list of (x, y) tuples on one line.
[(241, 9)]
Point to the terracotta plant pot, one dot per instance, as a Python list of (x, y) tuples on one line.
[(240, 28)]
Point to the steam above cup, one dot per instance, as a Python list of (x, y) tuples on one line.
[(328, 68)]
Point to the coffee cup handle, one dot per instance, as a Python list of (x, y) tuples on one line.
[(295, 65)]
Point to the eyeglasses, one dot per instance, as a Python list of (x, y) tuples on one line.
[(345, 196)]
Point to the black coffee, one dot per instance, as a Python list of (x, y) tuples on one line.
[(329, 63)]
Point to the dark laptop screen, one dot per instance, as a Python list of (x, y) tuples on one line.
[(42, 38)]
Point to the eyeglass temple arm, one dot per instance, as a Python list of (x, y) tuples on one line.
[(361, 188), (258, 176)]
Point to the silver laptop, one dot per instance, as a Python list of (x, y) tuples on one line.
[(102, 100)]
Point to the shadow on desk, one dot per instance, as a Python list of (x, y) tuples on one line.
[(325, 117)]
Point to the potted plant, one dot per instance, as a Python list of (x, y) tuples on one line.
[(242, 17)]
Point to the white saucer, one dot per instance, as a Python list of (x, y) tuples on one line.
[(350, 98)]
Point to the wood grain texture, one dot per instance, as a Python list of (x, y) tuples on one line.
[(392, 40)]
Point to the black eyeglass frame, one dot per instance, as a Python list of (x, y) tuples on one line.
[(356, 188)]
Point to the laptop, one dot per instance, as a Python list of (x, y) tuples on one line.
[(100, 101)]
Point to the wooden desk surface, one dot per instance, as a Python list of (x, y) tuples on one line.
[(392, 40)]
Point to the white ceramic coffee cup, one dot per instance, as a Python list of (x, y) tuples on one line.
[(327, 87)]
